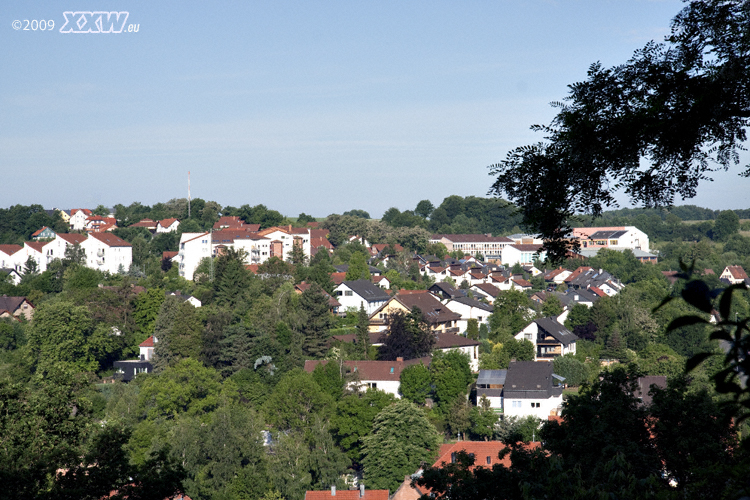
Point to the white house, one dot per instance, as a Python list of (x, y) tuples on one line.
[(167, 226), (11, 257), (36, 251), (107, 252), (469, 309), (381, 375), (55, 249), (734, 274), (530, 390), (353, 294), (78, 218), (147, 348), (550, 338), (486, 291)]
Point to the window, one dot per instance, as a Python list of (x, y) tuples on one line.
[(516, 404), (348, 293), (453, 457), (391, 369), (489, 460), (535, 405)]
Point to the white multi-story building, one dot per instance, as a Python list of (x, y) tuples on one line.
[(550, 338), (381, 375), (616, 238), (490, 247), (107, 252)]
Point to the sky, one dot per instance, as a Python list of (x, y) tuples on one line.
[(317, 106)]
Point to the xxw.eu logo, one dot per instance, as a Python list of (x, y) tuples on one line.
[(94, 22)]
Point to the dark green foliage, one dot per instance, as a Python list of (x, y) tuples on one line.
[(316, 321), (357, 213), (19, 221), (511, 314), (552, 307), (330, 378), (726, 225), (483, 420), (231, 278), (574, 371), (259, 214), (451, 376), (416, 383), (354, 417), (363, 334), (295, 401), (407, 336), (303, 219), (358, 268)]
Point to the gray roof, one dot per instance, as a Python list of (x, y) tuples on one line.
[(472, 303), (530, 380), (446, 289), (366, 290), (569, 298), (342, 268), (492, 377), (604, 235), (557, 330)]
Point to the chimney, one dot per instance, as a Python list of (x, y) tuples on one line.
[(333, 491), (400, 359), (361, 490)]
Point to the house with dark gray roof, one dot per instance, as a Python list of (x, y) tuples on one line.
[(550, 338), (445, 291), (469, 309), (531, 389), (353, 294)]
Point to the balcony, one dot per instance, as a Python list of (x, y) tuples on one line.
[(453, 330)]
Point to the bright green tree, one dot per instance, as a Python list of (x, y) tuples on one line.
[(353, 419), (402, 437), (451, 376)]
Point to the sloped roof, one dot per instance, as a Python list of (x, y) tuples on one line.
[(473, 303), (530, 380), (11, 304), (434, 311), (39, 231), (492, 377), (481, 450), (575, 273), (110, 239), (737, 272), (147, 223), (372, 370), (347, 495), (167, 222), (488, 288), (447, 289), (36, 245), (231, 235), (607, 234), (557, 330), (149, 342), (10, 249), (72, 238), (453, 341), (367, 290)]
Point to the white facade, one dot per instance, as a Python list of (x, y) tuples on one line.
[(258, 249), (193, 248), (78, 219), (171, 226), (542, 351), (10, 259), (106, 252), (522, 254), (348, 298), (467, 312), (540, 408)]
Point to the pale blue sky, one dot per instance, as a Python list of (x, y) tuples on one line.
[(318, 106)]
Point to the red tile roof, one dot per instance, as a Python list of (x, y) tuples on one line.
[(373, 370), (86, 211), (110, 239), (35, 233), (169, 255), (338, 278), (167, 222), (482, 450), (347, 495), (576, 273), (10, 249), (737, 272), (72, 238), (36, 245), (149, 342)]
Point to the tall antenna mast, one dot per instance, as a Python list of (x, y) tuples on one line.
[(188, 194)]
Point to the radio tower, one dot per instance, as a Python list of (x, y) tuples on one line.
[(188, 194)]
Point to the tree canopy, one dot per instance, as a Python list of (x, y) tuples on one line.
[(654, 126)]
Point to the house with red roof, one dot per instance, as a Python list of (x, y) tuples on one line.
[(359, 494), (167, 226), (78, 218), (366, 374), (734, 275), (107, 252), (11, 257)]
